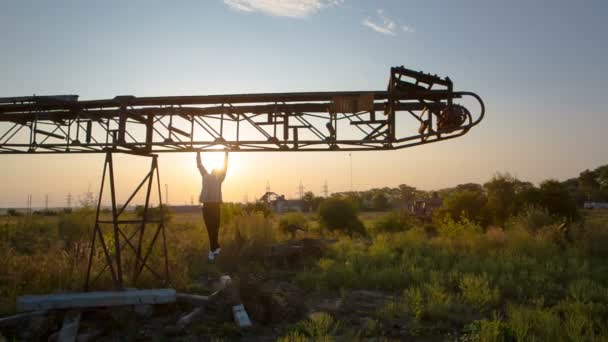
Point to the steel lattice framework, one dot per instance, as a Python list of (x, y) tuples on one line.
[(417, 108)]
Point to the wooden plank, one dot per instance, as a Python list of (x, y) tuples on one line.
[(69, 329), (95, 299)]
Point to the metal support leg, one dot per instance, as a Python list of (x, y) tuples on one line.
[(114, 247)]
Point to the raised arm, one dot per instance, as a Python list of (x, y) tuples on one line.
[(225, 166), (199, 164)]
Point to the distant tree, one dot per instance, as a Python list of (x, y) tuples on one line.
[(380, 202), (154, 213), (469, 187), (465, 205), (339, 214), (556, 198), (589, 185), (501, 193), (308, 199), (407, 193), (13, 212), (602, 176)]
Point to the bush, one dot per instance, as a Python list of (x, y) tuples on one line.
[(464, 205), (13, 212), (556, 198), (395, 221), (338, 214), (489, 330), (532, 219), (258, 207), (229, 211), (476, 291), (290, 220)]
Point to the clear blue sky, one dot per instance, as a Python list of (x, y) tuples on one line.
[(540, 66)]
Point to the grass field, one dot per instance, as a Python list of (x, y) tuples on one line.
[(448, 281)]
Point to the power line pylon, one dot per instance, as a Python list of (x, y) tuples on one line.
[(301, 190)]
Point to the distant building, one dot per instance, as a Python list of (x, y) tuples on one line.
[(595, 205), (279, 204)]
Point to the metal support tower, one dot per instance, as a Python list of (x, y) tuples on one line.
[(117, 235)]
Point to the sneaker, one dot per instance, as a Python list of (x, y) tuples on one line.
[(211, 257), (217, 251)]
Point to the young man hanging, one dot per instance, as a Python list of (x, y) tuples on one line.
[(211, 199)]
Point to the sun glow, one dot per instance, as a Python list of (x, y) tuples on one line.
[(215, 160)]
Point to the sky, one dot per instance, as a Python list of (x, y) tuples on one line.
[(540, 67)]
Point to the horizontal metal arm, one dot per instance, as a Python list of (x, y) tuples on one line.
[(407, 114)]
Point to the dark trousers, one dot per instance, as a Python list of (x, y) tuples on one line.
[(211, 216)]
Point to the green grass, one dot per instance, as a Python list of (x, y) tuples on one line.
[(455, 281)]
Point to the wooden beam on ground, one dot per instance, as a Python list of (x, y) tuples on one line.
[(69, 329), (95, 299)]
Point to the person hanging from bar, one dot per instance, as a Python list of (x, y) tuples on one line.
[(211, 199)]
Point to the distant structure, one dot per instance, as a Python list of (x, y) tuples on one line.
[(279, 204), (423, 208), (29, 204), (68, 199), (325, 189), (301, 190)]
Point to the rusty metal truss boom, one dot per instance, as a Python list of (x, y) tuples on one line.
[(417, 108)]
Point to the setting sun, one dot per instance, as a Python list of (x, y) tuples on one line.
[(215, 160)]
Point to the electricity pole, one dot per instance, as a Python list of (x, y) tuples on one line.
[(350, 157)]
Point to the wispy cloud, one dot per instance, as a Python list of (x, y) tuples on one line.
[(282, 8), (407, 29), (385, 25)]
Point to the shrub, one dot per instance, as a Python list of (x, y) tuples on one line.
[(338, 214), (489, 330), (75, 227), (556, 198), (464, 204), (290, 220), (533, 323), (229, 211), (258, 207), (13, 212), (476, 291), (395, 221), (532, 219), (501, 197)]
